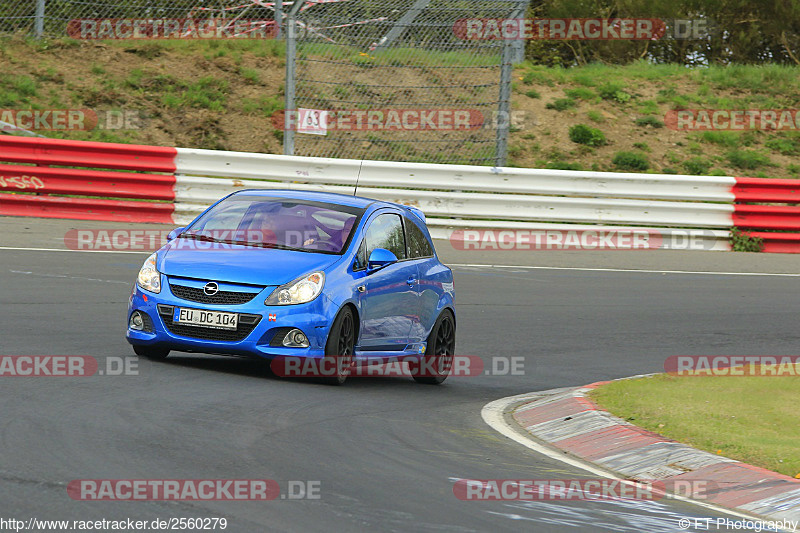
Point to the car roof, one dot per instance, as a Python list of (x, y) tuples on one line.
[(318, 196)]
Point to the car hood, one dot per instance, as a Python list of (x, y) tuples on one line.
[(241, 264)]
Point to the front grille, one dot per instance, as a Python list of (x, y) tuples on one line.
[(221, 298), (246, 325)]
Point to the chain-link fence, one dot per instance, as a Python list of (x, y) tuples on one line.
[(393, 80), (50, 18), (374, 79)]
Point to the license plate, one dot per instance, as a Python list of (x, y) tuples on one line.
[(205, 319)]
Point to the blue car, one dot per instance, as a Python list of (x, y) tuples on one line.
[(316, 277)]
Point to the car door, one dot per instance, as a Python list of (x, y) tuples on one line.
[(420, 253), (389, 299)]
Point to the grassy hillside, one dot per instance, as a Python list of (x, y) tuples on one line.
[(221, 94)]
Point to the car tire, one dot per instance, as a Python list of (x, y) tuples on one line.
[(156, 354), (438, 359), (340, 347)]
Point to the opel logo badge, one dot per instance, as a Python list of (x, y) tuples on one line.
[(211, 288)]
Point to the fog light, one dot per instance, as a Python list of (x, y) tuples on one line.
[(137, 323), (295, 339)]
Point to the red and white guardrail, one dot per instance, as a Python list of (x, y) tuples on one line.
[(102, 181)]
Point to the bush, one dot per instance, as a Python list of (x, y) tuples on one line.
[(630, 161), (583, 134), (613, 91), (743, 242), (697, 165), (561, 104), (649, 121)]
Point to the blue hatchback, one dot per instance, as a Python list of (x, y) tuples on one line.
[(310, 275)]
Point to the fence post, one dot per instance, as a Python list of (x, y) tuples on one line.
[(278, 18), (39, 25), (503, 107), (290, 115), (511, 54)]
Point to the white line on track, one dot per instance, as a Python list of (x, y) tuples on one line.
[(62, 276), (78, 251), (470, 265), (586, 269), (493, 413)]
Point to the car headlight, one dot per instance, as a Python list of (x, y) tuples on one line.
[(149, 277), (299, 291)]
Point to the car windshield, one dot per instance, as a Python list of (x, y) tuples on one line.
[(285, 223)]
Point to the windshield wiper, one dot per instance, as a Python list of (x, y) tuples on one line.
[(202, 237), (270, 245)]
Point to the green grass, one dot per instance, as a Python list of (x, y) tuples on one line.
[(769, 78), (17, 89), (747, 159), (595, 116), (264, 105), (209, 48), (744, 418), (730, 139), (581, 93), (649, 121), (251, 75), (786, 144)]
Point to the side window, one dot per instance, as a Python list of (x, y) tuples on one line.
[(386, 231), (418, 245)]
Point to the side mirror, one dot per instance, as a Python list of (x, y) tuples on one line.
[(379, 258), (174, 234)]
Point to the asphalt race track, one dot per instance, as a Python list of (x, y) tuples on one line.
[(386, 451)]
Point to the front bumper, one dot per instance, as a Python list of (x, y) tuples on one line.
[(313, 318)]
